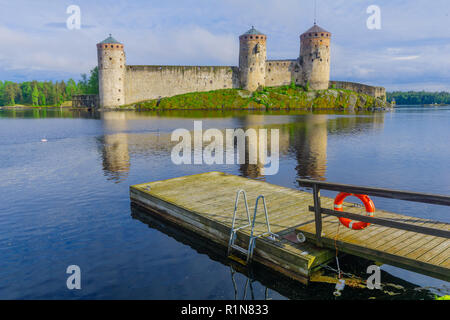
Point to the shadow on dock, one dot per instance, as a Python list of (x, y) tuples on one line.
[(394, 288)]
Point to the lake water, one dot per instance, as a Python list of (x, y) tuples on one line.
[(66, 201)]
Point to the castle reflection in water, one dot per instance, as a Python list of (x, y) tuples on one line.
[(302, 137)]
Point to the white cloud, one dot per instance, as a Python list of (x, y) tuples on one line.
[(406, 58)]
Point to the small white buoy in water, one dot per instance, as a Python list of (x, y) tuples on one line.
[(43, 140)]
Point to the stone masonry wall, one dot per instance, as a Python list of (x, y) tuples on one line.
[(280, 72), (377, 92), (153, 82)]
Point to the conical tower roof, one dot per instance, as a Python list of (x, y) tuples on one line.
[(315, 29), (253, 31), (110, 39)]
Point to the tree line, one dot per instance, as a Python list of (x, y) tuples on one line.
[(47, 93), (419, 97)]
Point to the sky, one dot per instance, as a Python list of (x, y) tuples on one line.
[(410, 51)]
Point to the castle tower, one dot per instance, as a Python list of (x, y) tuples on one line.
[(252, 59), (315, 58), (111, 73)]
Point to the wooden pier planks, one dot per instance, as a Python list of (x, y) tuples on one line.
[(204, 203)]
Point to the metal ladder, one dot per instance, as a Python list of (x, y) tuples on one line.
[(251, 223)]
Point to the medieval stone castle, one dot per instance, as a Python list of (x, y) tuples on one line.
[(121, 84)]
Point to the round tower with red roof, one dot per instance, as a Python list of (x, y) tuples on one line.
[(315, 58), (111, 73), (252, 59)]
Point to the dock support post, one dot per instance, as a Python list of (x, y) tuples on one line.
[(318, 214)]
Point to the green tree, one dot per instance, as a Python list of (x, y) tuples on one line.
[(92, 85), (35, 96)]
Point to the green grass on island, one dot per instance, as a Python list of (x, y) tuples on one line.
[(284, 97)]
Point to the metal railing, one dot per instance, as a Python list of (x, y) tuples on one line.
[(377, 192), (251, 223)]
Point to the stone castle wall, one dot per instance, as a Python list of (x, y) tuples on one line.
[(281, 72), (153, 82), (377, 92)]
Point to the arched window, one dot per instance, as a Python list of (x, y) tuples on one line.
[(257, 48)]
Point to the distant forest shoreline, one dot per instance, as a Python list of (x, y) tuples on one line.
[(418, 97), (46, 93)]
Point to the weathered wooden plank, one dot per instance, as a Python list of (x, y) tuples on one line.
[(421, 248), (435, 252), (441, 257), (401, 242)]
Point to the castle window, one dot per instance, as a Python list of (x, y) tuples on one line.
[(316, 34), (322, 34), (110, 58), (251, 37), (256, 37)]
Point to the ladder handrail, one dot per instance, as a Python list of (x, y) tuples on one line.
[(233, 232), (236, 202)]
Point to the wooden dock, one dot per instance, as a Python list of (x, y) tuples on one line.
[(204, 204)]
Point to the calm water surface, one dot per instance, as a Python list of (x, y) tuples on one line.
[(66, 201)]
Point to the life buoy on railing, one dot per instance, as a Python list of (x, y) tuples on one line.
[(368, 204)]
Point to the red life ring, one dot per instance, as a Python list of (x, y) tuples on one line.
[(368, 204)]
